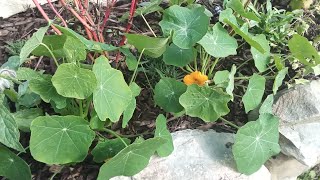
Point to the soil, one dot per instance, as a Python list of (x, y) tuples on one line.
[(20, 27)]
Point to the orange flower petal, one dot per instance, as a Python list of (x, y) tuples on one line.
[(188, 80)]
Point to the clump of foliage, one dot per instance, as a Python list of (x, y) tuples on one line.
[(87, 99)]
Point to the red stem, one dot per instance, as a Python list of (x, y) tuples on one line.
[(57, 13), (44, 14), (107, 14)]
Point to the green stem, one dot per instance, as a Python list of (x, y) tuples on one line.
[(116, 135), (135, 70), (54, 58), (213, 66), (86, 110), (80, 108), (230, 123)]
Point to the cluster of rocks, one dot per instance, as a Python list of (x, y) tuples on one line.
[(206, 155)]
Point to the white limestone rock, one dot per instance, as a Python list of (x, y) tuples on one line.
[(197, 155)]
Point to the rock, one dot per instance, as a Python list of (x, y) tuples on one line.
[(283, 167), (299, 112), (197, 155)]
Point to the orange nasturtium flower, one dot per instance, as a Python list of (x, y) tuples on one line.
[(195, 78)]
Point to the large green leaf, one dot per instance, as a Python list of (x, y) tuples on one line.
[(9, 133), (62, 46), (218, 43), (204, 102), (128, 112), (153, 47), (177, 56), (188, 25), (261, 60), (237, 6), (253, 96), (60, 139), (73, 81), (106, 149), (279, 79), (167, 92), (162, 131), (44, 87), (303, 50), (12, 166), (255, 143), (24, 117), (131, 159), (112, 94), (90, 45), (32, 43)]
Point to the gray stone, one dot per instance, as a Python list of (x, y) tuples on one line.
[(299, 111), (198, 155), (283, 167)]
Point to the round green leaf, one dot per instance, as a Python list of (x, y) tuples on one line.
[(60, 139), (261, 60), (177, 56), (163, 132), (218, 43), (167, 93), (255, 143), (131, 159), (204, 102), (12, 166), (112, 95), (253, 96), (188, 25), (73, 81)]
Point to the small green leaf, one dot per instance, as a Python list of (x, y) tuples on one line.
[(167, 92), (9, 132), (32, 43), (147, 8), (177, 56), (153, 47), (279, 79), (230, 87), (266, 107), (218, 43), (188, 25), (131, 60), (228, 14), (278, 62), (44, 87), (162, 131), (60, 139), (112, 94), (253, 96), (204, 102), (90, 45), (303, 50), (237, 6), (12, 63), (261, 60), (221, 78), (131, 160), (24, 118), (24, 73), (255, 143), (107, 149), (62, 46), (128, 112), (96, 123), (73, 81), (12, 166)]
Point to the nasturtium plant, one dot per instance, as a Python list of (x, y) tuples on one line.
[(167, 93), (60, 139), (128, 112), (261, 60), (255, 143), (12, 166), (73, 81), (254, 93), (162, 131), (218, 43), (187, 25), (204, 102), (112, 94), (131, 159), (25, 117)]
